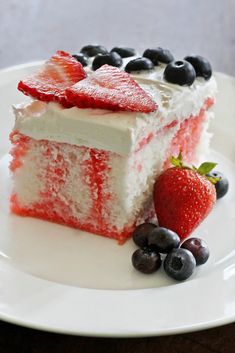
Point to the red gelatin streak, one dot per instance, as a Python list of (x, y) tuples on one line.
[(51, 206)]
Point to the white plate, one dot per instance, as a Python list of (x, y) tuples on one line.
[(64, 280)]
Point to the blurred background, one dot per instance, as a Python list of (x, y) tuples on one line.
[(35, 29)]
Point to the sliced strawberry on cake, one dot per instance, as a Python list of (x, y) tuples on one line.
[(110, 88), (61, 71)]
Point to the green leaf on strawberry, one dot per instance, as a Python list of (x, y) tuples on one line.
[(206, 167), (213, 179)]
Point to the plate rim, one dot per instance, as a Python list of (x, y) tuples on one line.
[(155, 332), (158, 333)]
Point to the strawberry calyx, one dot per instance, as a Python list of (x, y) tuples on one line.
[(203, 169)]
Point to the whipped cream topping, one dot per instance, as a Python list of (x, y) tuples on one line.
[(115, 131)]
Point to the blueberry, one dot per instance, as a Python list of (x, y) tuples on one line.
[(201, 65), (141, 234), (222, 185), (159, 55), (163, 240), (180, 72), (146, 260), (82, 58), (198, 248), (179, 264), (124, 52), (93, 49), (139, 64), (112, 59)]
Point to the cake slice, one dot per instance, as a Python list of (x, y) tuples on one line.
[(90, 160)]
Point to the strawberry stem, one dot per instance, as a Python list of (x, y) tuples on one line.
[(177, 161)]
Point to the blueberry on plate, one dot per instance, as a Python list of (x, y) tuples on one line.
[(112, 59), (124, 52), (139, 64), (157, 55), (179, 264), (93, 49), (82, 58), (180, 72), (141, 234), (163, 240), (146, 260), (222, 185), (201, 66), (198, 248)]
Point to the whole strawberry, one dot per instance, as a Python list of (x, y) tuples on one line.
[(183, 196)]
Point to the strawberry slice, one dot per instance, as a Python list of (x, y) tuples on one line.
[(110, 88), (49, 83)]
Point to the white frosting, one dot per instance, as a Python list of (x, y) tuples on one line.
[(114, 131)]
